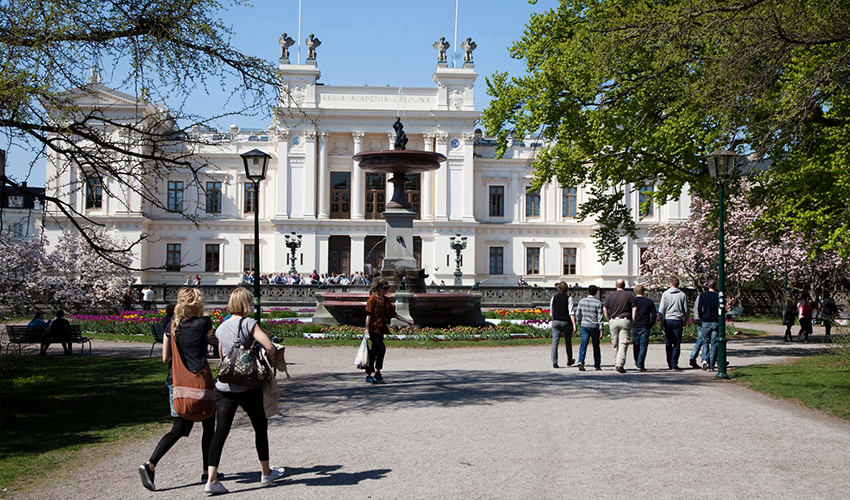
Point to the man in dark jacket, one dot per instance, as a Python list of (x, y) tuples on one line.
[(706, 316)]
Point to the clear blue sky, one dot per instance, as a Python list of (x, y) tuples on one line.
[(376, 43)]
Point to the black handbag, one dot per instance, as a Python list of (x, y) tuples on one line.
[(246, 363)]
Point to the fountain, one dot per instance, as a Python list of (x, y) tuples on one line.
[(399, 266)]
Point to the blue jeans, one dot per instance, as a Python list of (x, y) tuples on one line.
[(673, 334), (591, 334), (702, 344), (712, 333), (640, 338)]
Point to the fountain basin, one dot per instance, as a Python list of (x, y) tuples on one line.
[(402, 161), (436, 310)]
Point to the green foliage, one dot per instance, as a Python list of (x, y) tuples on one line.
[(627, 93)]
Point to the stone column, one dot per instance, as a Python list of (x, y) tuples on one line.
[(427, 195), (324, 177), (282, 195), (358, 252), (358, 180), (441, 183), (309, 194), (468, 177)]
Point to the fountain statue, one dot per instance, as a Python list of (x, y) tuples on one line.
[(399, 266)]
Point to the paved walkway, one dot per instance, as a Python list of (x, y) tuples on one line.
[(502, 423)]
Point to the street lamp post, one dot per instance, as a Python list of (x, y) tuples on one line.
[(458, 243), (721, 165), (293, 243), (256, 165)]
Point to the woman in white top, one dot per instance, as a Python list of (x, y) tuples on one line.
[(241, 327)]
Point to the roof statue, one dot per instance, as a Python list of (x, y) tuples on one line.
[(400, 136), (312, 42), (95, 75), (468, 46), (285, 42), (442, 46)]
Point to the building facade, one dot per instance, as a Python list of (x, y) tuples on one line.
[(20, 211), (315, 189)]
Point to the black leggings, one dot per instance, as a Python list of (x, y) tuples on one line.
[(376, 352), (181, 427), (225, 408)]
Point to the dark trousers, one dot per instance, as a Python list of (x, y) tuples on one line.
[(640, 338), (376, 353), (226, 404), (805, 327), (673, 334), (180, 427)]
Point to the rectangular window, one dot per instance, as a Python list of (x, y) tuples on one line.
[(532, 260), (376, 191), (16, 230), (532, 203), (250, 198), (213, 197), (497, 201), (175, 196), (340, 195), (570, 201), (645, 201), (248, 261), (172, 257), (497, 260), (94, 192), (211, 257), (16, 202), (570, 255)]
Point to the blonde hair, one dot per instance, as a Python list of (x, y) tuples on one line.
[(190, 303), (241, 303)]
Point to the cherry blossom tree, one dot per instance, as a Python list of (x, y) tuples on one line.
[(689, 250), (72, 276)]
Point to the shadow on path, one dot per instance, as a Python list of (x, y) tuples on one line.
[(326, 475)]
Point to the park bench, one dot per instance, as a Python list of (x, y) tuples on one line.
[(78, 338), (735, 312), (158, 331), (22, 334)]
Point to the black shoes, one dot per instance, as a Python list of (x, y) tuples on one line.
[(676, 368), (378, 378), (147, 477), (694, 364), (641, 369), (571, 362), (621, 369), (581, 367), (555, 365)]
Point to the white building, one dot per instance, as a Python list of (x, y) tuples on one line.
[(315, 189)]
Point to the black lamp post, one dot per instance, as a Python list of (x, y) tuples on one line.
[(458, 243), (721, 165), (256, 165), (293, 243)]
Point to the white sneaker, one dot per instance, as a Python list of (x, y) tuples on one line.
[(274, 475), (215, 489), (705, 365)]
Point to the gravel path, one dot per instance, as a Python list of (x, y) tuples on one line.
[(502, 423)]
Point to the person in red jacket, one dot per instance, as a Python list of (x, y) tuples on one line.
[(804, 312)]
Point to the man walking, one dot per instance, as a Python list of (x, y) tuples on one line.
[(563, 320), (644, 319), (706, 315), (674, 312), (620, 308), (589, 317)]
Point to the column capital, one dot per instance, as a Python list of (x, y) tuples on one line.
[(391, 139), (310, 135), (468, 138), (358, 136), (323, 136), (442, 138), (429, 136)]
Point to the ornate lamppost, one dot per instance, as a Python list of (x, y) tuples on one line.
[(256, 165), (458, 243), (293, 243), (721, 165)]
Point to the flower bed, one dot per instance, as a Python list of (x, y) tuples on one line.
[(532, 313)]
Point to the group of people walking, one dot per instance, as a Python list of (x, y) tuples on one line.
[(191, 330), (630, 318)]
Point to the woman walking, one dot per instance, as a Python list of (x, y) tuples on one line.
[(379, 312), (804, 310), (240, 328), (191, 330), (563, 313)]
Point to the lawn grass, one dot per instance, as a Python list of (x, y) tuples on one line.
[(57, 410), (821, 382)]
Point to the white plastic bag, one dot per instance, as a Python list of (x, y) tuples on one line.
[(361, 360)]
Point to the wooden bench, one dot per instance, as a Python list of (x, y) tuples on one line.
[(735, 312), (22, 334), (158, 331)]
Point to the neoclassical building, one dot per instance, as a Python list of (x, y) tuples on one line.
[(315, 189)]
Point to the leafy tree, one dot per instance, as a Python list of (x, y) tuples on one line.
[(159, 50), (631, 92)]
